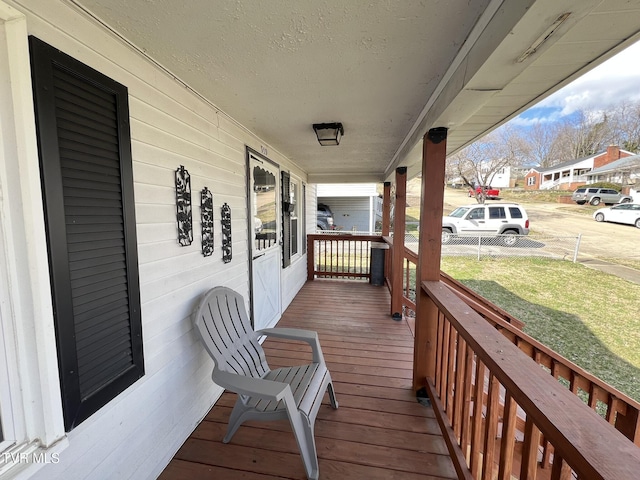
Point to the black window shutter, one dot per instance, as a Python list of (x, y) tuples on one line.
[(286, 219), (82, 120)]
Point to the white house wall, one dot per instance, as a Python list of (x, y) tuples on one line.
[(347, 189), (349, 213), (136, 434), (502, 179)]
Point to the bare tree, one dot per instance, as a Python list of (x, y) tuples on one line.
[(479, 163), (541, 145), (625, 126), (582, 135)]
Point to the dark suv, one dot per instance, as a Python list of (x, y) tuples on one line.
[(325, 217), (595, 196)]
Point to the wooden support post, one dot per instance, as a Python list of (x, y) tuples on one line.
[(399, 214), (311, 259), (386, 209), (434, 154)]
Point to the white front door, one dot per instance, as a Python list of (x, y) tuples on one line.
[(265, 208)]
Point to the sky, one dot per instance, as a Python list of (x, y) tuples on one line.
[(610, 83)]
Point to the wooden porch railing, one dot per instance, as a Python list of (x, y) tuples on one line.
[(483, 385), (339, 256), (615, 407)]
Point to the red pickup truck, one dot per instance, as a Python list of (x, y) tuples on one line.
[(491, 193)]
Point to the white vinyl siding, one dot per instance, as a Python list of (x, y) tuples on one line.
[(349, 213), (347, 190)]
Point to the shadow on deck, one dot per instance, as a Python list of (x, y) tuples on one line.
[(380, 431)]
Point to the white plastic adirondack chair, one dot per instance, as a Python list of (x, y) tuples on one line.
[(241, 367)]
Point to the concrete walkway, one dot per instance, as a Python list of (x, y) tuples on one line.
[(626, 273)]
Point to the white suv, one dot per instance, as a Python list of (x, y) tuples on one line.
[(509, 220)]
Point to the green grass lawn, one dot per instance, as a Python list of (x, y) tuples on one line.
[(589, 317)]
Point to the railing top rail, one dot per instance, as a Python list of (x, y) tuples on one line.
[(411, 255), (345, 236), (593, 448)]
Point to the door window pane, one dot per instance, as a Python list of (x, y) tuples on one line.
[(264, 192), (294, 218)]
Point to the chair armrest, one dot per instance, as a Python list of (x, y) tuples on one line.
[(308, 336), (251, 386)]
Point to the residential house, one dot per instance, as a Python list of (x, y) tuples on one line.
[(355, 206), (572, 174), (502, 178), (625, 171), (154, 150)]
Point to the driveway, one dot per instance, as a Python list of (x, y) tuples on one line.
[(601, 241)]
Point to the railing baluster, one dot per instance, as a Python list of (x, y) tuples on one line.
[(445, 364), (476, 426), (560, 469), (458, 388), (439, 353), (528, 467), (466, 404), (327, 245), (547, 451), (491, 427), (612, 408), (453, 338), (508, 442)]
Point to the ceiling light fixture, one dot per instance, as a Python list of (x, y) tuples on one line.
[(329, 133), (544, 37)]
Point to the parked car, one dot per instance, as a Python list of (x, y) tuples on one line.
[(509, 220), (628, 213), (596, 196), (324, 217), (490, 193)]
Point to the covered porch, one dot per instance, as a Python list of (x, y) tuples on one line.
[(529, 424), (380, 431), (209, 89)]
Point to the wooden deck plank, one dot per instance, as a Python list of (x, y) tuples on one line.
[(380, 431), (397, 355), (213, 428), (330, 358), (330, 447)]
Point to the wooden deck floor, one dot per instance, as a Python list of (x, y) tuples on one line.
[(380, 431)]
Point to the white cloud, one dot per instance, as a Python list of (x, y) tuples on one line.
[(616, 80)]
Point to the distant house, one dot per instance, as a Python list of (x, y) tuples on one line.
[(572, 174), (502, 178), (505, 177), (624, 171), (355, 206)]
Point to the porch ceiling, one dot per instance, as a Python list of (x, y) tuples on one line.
[(387, 70)]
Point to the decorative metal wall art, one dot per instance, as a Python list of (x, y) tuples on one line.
[(226, 233), (183, 207), (206, 217)]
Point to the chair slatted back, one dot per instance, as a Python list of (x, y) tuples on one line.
[(224, 326)]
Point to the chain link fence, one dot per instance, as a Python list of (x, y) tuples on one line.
[(503, 246), (558, 247)]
